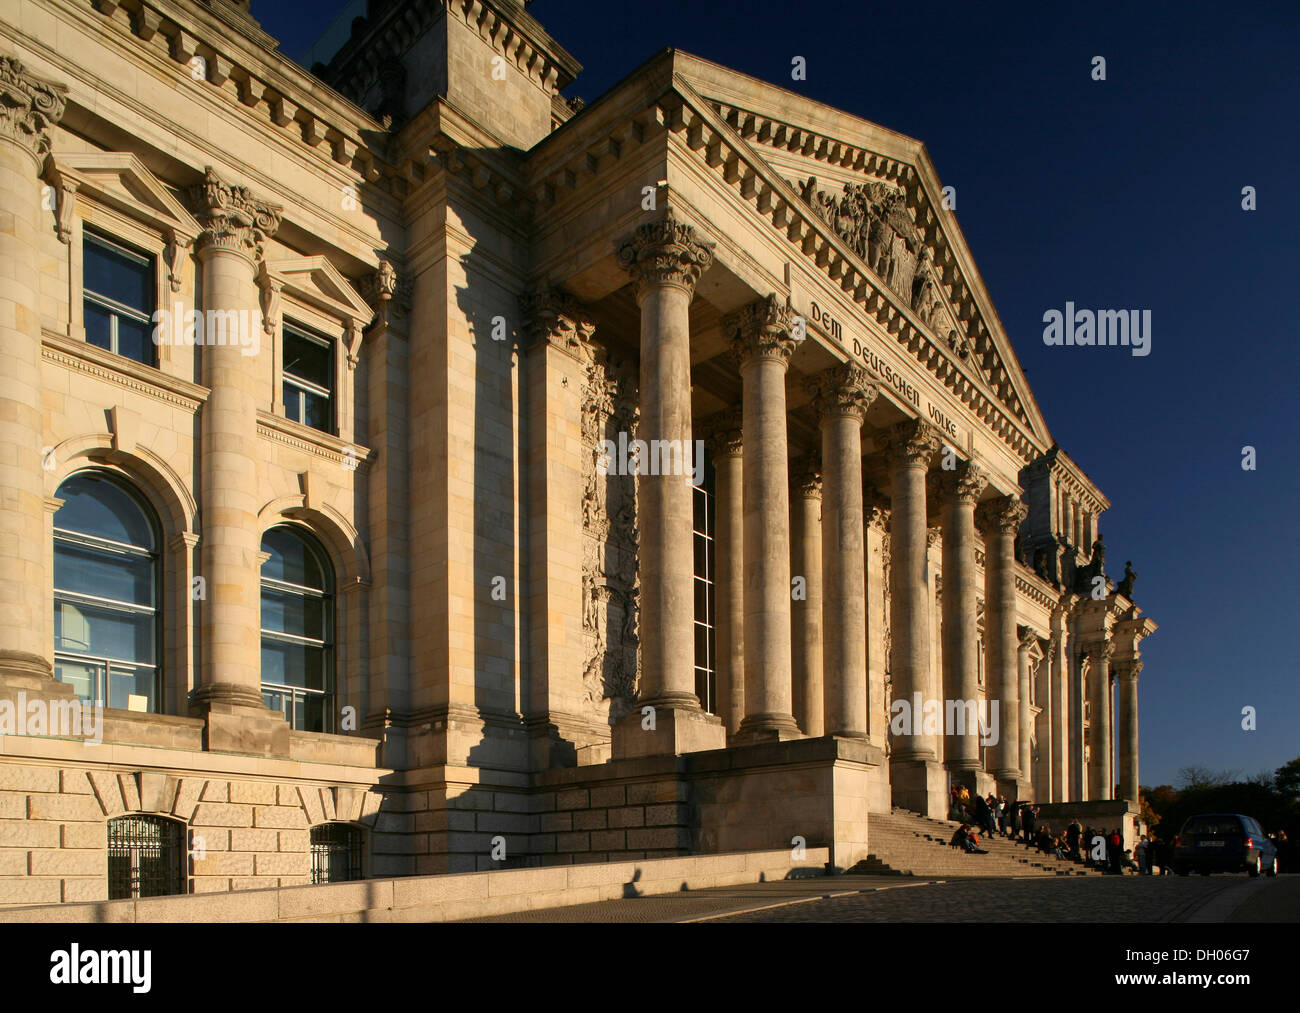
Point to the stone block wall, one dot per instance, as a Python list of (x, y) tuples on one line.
[(241, 834)]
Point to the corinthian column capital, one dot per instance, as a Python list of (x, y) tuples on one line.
[(724, 434), (806, 477), (552, 315), (29, 107), (911, 444), (665, 252), (232, 218), (843, 391), (964, 483), (764, 329), (1003, 515)]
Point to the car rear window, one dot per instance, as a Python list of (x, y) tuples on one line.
[(1213, 825)]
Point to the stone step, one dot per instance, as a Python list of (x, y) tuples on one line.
[(906, 843)]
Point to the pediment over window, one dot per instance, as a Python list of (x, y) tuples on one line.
[(318, 282), (118, 179)]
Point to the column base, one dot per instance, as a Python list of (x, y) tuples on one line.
[(1010, 784), (676, 729), (239, 722), (24, 671), (758, 728), (920, 786)]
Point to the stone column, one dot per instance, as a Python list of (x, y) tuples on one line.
[(1025, 647), (30, 108), (959, 489), (1100, 779), (1128, 731), (1078, 734), (725, 448), (917, 780), (1060, 696), (666, 259), (235, 229), (763, 340), (806, 612), (1000, 519), (841, 396)]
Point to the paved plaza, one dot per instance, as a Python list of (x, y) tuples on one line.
[(875, 899)]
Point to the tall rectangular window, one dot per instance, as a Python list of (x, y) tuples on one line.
[(119, 295), (705, 643), (308, 378)]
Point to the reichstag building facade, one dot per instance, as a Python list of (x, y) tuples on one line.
[(408, 470)]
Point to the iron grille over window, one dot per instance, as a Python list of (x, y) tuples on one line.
[(705, 649), (146, 857), (335, 853)]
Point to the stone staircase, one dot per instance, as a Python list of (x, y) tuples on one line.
[(905, 843)]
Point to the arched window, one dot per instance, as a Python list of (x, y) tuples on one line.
[(298, 630), (335, 853), (146, 857), (106, 594)]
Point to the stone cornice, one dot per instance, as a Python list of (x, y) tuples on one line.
[(241, 65), (29, 107), (1071, 478), (510, 31), (127, 373), (313, 441)]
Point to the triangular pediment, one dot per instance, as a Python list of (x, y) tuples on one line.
[(317, 281), (120, 180), (879, 193)]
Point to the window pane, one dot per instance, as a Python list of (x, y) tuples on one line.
[(95, 506), (291, 560), (307, 359), (293, 664), (103, 574), (81, 676), (313, 719), (99, 325), (292, 402), (135, 340), (317, 412), (298, 614), (126, 682), (103, 632), (118, 275)]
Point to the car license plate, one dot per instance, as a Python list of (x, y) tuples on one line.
[(1211, 844)]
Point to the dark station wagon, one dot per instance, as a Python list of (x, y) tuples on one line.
[(1223, 842)]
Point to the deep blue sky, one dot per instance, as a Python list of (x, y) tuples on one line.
[(1122, 194)]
